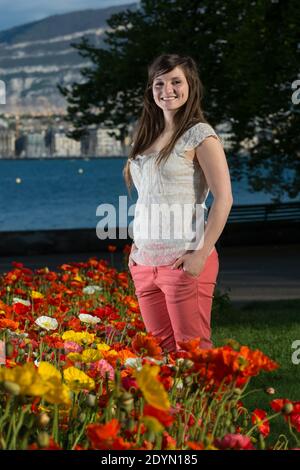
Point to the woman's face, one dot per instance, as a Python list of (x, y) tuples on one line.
[(170, 90)]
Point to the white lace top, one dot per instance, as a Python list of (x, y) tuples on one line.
[(167, 200)]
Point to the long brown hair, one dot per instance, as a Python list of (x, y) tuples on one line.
[(151, 122)]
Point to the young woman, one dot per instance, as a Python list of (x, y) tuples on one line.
[(176, 158)]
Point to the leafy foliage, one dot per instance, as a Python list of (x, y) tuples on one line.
[(248, 58)]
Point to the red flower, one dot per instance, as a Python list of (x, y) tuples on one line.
[(290, 410), (258, 417), (105, 436), (21, 309), (164, 417)]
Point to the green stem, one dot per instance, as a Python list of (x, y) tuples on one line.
[(292, 432), (261, 421)]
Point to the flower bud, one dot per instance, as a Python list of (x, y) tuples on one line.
[(82, 417), (91, 400), (287, 408), (126, 401), (11, 387), (43, 420), (188, 380), (43, 439), (270, 390)]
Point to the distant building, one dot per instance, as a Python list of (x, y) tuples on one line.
[(35, 145), (98, 143), (59, 145), (63, 146), (7, 142)]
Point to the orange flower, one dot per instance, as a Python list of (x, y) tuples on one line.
[(233, 364), (146, 345), (195, 445), (10, 324), (111, 248), (125, 354), (105, 436)]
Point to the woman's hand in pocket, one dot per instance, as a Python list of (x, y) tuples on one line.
[(193, 263)]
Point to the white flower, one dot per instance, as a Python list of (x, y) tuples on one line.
[(134, 362), (90, 319), (91, 289), (47, 323), (179, 383), (17, 300)]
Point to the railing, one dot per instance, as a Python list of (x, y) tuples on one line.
[(287, 211)]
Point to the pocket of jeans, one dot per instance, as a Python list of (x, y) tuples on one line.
[(188, 275)]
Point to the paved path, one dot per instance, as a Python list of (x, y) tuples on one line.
[(247, 273)]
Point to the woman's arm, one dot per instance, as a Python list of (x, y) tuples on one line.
[(212, 159)]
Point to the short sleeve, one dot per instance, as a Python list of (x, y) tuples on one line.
[(196, 134)]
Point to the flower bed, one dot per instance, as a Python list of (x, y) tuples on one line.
[(80, 372)]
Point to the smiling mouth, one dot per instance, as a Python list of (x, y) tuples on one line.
[(169, 99)]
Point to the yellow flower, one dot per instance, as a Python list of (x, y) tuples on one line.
[(26, 377), (103, 347), (87, 338), (58, 393), (36, 295), (44, 382), (152, 389), (78, 278), (77, 380), (78, 336), (74, 357), (91, 355), (48, 371)]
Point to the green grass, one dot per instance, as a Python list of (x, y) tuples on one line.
[(270, 326)]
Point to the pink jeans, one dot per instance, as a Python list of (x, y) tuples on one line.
[(175, 305)]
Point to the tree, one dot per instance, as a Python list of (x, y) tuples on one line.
[(248, 58)]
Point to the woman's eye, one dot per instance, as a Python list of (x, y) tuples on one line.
[(159, 84)]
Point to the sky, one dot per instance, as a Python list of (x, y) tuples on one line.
[(17, 12)]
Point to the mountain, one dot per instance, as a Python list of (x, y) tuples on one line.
[(34, 57)]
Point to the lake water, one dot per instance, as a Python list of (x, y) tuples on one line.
[(64, 193)]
